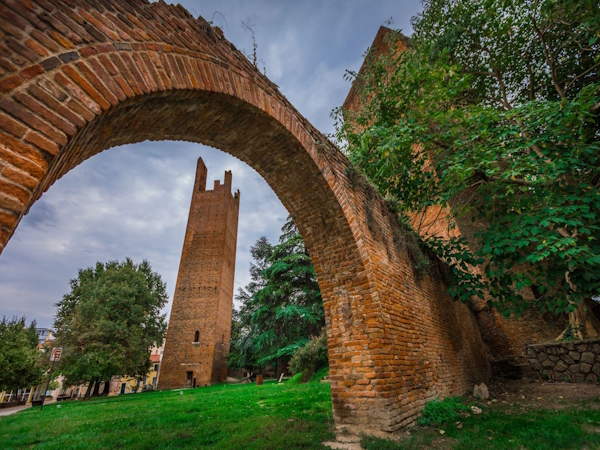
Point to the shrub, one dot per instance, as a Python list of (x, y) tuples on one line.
[(311, 357), (296, 379), (319, 374), (438, 411)]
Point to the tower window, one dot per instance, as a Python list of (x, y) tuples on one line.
[(197, 336)]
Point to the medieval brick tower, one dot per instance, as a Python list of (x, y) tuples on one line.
[(200, 323)]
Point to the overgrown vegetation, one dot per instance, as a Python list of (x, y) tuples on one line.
[(438, 412), (492, 115), (109, 321), (311, 358), (281, 308)]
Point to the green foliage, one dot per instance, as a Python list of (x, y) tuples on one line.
[(438, 412), (109, 321), (493, 115), (21, 363), (281, 307), (311, 357)]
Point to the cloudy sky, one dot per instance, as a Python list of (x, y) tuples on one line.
[(133, 201)]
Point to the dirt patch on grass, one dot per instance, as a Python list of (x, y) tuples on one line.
[(543, 395)]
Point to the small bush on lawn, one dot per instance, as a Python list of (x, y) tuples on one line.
[(296, 379), (438, 412), (310, 358)]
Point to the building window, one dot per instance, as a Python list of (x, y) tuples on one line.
[(197, 337), (156, 367)]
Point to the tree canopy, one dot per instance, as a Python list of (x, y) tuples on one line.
[(492, 114), (20, 359), (281, 307), (109, 321)]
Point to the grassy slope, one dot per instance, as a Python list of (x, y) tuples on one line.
[(271, 416)]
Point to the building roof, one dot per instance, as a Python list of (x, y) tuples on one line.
[(154, 358)]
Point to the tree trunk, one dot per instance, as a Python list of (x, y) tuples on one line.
[(97, 388), (106, 388), (583, 324), (88, 393)]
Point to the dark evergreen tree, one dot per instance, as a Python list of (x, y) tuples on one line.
[(281, 308)]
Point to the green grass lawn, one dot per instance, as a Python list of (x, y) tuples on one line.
[(271, 416)]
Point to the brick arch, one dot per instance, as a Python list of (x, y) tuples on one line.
[(79, 77)]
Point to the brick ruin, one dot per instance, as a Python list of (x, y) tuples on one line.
[(78, 77), (506, 339), (200, 323)]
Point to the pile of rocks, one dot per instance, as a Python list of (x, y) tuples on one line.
[(576, 362)]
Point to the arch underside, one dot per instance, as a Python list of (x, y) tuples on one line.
[(98, 74)]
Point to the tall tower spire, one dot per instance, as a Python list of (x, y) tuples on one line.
[(200, 323)]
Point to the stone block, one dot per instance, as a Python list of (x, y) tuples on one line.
[(585, 368), (588, 358), (574, 368), (596, 368), (547, 364), (561, 367), (575, 356)]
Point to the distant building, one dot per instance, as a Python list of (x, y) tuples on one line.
[(44, 335), (129, 385)]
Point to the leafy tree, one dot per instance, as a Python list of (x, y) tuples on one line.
[(492, 114), (19, 355), (281, 308), (109, 321)]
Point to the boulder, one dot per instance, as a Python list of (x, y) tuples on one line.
[(481, 391)]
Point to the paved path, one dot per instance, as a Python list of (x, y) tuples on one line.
[(9, 411)]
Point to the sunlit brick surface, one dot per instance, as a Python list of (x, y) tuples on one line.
[(204, 292)]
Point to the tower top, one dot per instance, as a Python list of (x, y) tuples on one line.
[(201, 175)]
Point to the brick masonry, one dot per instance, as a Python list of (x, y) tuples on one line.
[(203, 296), (565, 361), (81, 76)]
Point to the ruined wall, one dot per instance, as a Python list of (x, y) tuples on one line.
[(204, 292), (506, 339)]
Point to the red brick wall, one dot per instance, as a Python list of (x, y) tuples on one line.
[(78, 77), (204, 292)]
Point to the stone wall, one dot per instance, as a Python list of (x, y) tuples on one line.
[(576, 361)]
